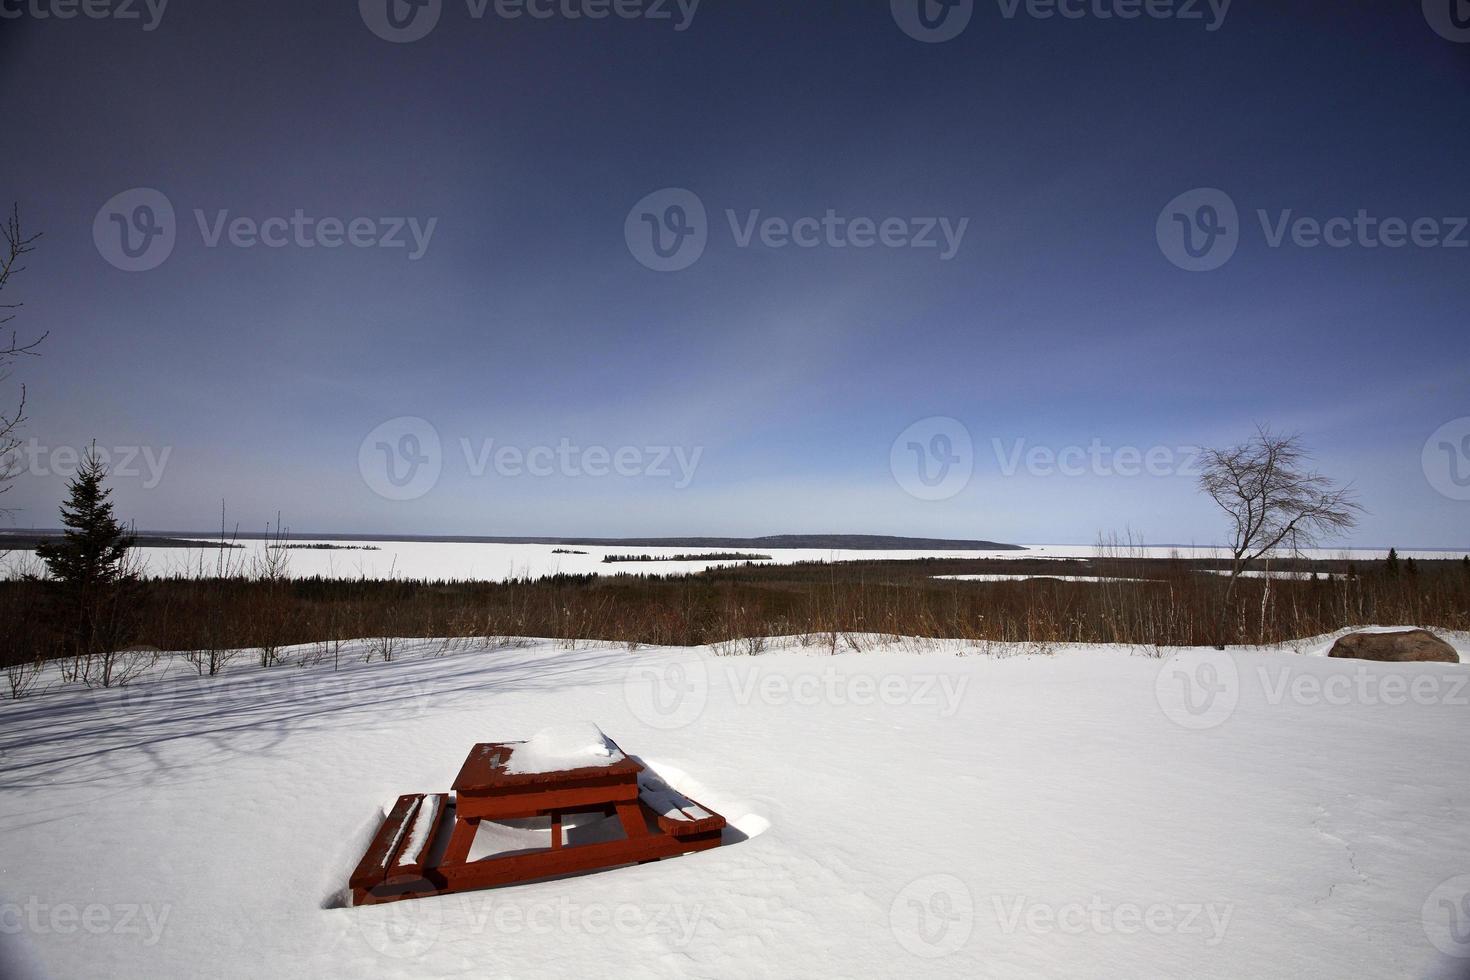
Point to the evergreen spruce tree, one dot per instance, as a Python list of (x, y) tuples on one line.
[(88, 563), (1391, 566)]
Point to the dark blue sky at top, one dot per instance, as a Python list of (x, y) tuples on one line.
[(528, 320)]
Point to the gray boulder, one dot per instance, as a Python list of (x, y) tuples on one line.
[(1399, 647)]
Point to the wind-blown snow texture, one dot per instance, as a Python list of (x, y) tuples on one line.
[(905, 810)]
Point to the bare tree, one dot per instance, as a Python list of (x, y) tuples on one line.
[(12, 347), (1274, 502)]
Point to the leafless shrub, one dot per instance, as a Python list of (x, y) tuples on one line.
[(22, 677), (381, 647), (1273, 503)]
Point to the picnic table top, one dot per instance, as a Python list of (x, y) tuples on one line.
[(488, 770)]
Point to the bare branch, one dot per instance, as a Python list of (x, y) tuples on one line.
[(16, 245)]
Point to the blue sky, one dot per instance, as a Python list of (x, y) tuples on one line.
[(529, 320)]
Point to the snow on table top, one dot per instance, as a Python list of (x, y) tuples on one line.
[(576, 745)]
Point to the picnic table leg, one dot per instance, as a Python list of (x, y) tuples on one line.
[(460, 840), (555, 830), (631, 814)]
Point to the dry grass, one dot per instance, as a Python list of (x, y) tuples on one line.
[(738, 607)]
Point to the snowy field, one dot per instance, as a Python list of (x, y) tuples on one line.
[(904, 809), (498, 562)]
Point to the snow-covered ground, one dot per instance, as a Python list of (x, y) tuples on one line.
[(498, 562), (896, 810), (1273, 574), (997, 577)]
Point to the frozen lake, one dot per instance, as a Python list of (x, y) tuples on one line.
[(500, 562)]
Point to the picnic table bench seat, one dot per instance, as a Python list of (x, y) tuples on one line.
[(676, 813), (399, 852)]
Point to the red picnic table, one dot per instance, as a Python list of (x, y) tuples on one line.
[(520, 781)]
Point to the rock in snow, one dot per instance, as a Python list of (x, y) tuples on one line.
[(1397, 646)]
